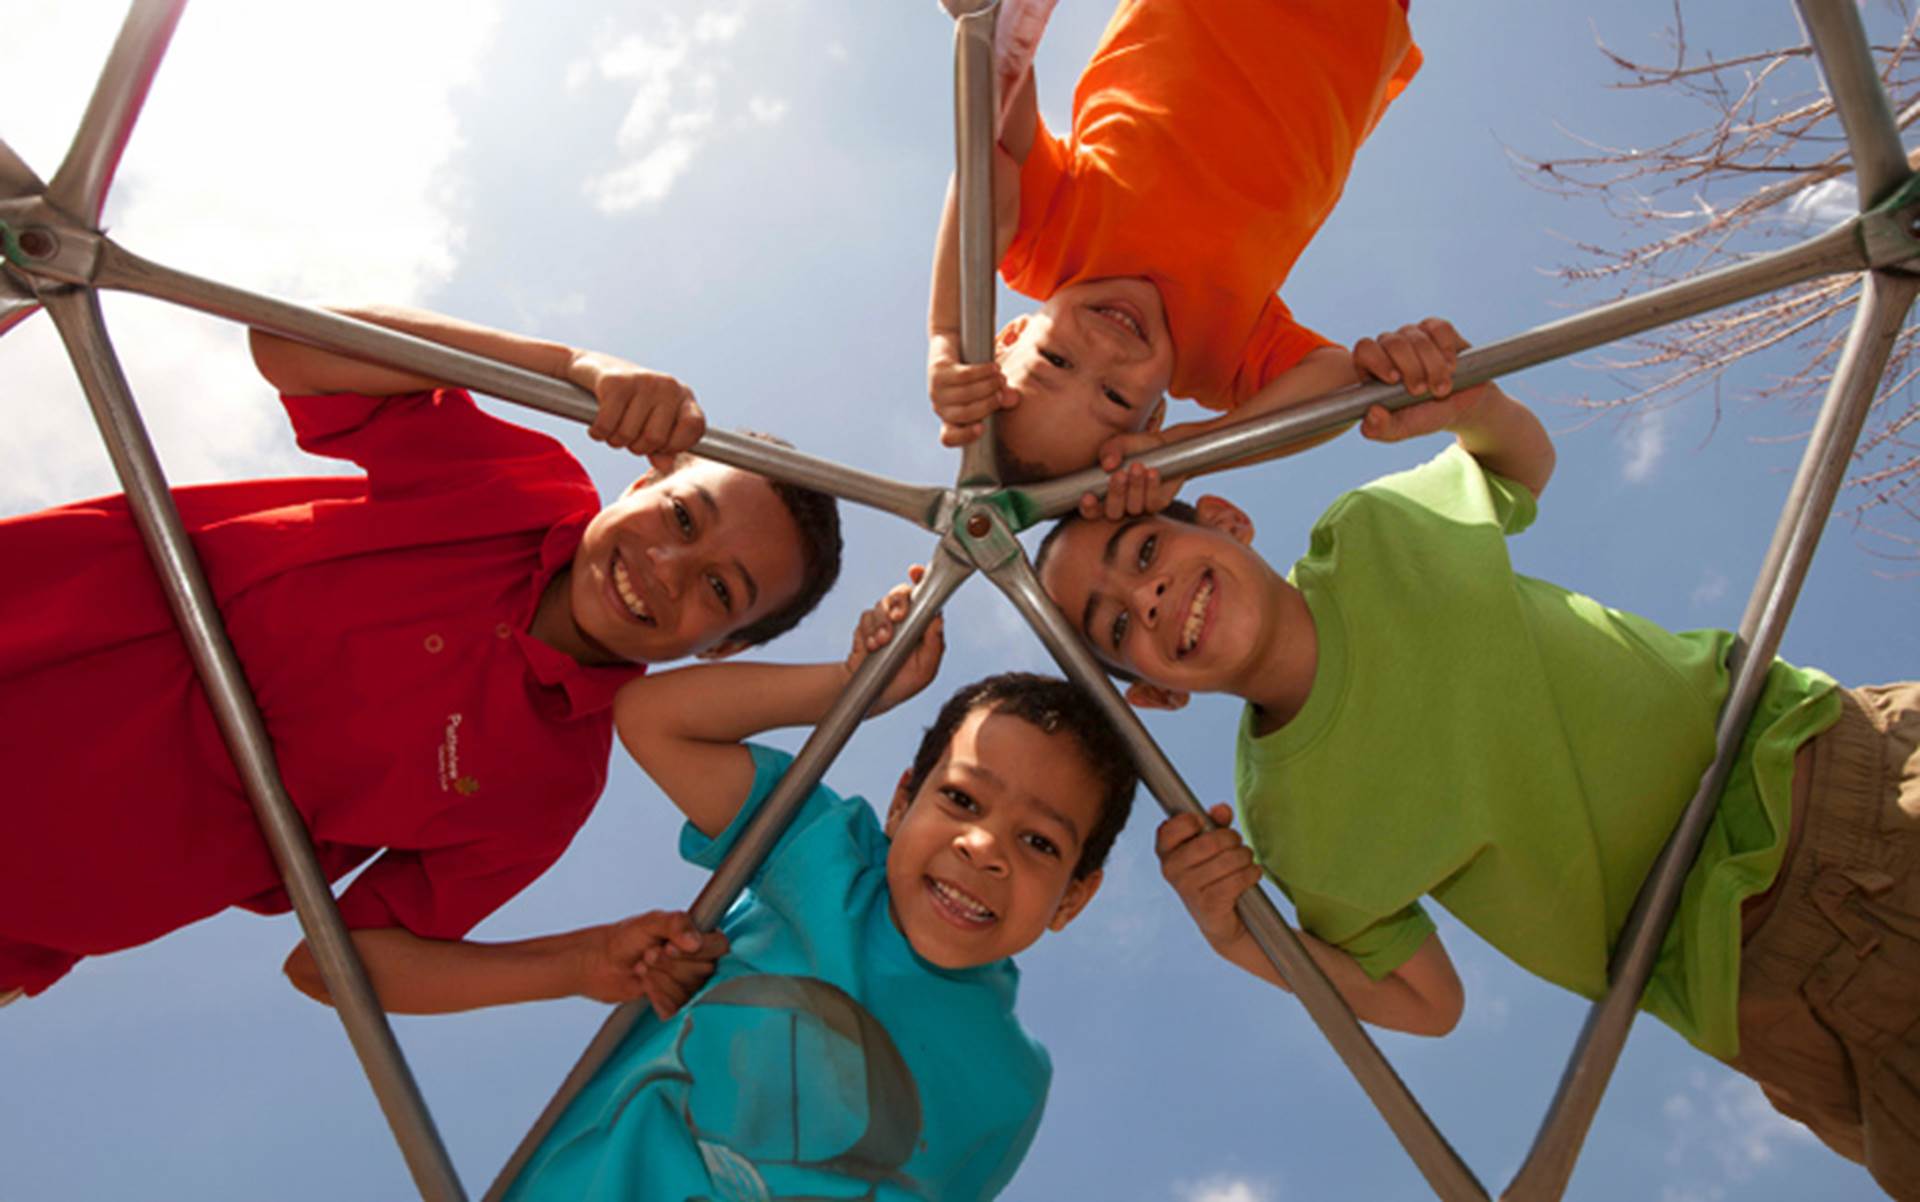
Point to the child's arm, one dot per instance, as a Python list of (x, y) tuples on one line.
[(964, 394), (657, 956), (646, 411), (685, 727), (1495, 429), (1211, 869)]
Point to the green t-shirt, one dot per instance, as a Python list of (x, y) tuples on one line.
[(1518, 751)]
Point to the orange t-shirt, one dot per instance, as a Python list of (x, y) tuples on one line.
[(1210, 140)]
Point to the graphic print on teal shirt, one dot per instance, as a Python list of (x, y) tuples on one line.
[(824, 1060)]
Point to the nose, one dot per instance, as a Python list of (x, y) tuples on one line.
[(669, 562), (977, 846), (1148, 595)]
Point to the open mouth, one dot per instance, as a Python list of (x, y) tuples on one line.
[(958, 906), (1122, 316), (1199, 610), (628, 594)]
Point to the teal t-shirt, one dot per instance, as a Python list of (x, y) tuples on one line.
[(1518, 751), (824, 1059)]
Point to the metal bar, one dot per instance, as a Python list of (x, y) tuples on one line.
[(1883, 307), (16, 178), (79, 187), (120, 268), (973, 126), (77, 316), (1836, 250), (1840, 43), (944, 575), (1446, 1173)]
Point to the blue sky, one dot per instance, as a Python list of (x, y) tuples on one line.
[(743, 193)]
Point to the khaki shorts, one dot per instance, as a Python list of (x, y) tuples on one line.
[(1830, 981)]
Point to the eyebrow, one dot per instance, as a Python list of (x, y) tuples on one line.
[(1039, 803), (713, 512), (1106, 560)]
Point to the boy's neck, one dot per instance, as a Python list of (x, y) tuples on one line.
[(553, 623), (1280, 684)]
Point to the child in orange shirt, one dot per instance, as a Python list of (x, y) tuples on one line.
[(1209, 142)]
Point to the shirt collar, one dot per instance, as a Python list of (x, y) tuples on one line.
[(589, 690)]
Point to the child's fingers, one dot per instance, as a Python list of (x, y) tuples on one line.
[(658, 409), (1436, 364), (959, 436), (1370, 359), (1444, 335), (689, 424)]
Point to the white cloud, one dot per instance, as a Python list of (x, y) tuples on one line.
[(251, 164), (1225, 1188), (1725, 1120), (1825, 204), (1646, 443), (680, 69), (1712, 587)]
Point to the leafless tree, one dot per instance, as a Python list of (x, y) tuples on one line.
[(1762, 164)]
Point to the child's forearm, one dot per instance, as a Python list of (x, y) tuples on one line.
[(412, 975), (1391, 1002), (729, 703), (1508, 440), (1322, 371), (297, 369)]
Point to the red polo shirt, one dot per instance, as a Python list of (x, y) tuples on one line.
[(381, 620)]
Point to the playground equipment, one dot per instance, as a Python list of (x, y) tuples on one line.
[(56, 258)]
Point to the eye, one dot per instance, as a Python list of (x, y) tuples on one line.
[(720, 591), (960, 800), (1059, 361), (1144, 556), (1121, 621), (682, 517), (1043, 845), (1117, 399)]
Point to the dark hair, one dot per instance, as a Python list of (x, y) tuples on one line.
[(816, 515), (1055, 706), (1176, 510)]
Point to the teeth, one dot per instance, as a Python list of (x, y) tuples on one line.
[(1196, 616), (961, 902), (1124, 318), (623, 584)]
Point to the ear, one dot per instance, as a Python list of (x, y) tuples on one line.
[(1079, 892), (724, 649), (1010, 334), (1158, 415), (1144, 696), (1218, 513), (897, 809)]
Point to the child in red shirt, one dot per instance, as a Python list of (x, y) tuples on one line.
[(435, 647), (1209, 142)]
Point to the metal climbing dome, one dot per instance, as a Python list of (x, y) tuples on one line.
[(57, 258)]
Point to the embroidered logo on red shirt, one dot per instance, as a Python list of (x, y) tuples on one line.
[(449, 755)]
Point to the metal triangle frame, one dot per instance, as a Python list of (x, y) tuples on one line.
[(56, 258)]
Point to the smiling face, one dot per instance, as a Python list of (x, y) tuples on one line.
[(984, 851), (1092, 363), (1187, 606), (679, 562)]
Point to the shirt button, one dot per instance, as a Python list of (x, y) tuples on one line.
[(502, 631), (434, 643)]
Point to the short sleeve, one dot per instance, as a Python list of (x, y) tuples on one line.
[(444, 893), (1379, 947), (1455, 486), (827, 831), (1045, 178), (413, 440), (1277, 345)]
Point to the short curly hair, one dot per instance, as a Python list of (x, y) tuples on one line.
[(1055, 706)]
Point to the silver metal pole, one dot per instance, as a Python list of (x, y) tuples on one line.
[(77, 316), (119, 268), (1883, 308), (1446, 1173), (79, 187), (944, 575), (974, 115), (1836, 250), (1846, 62)]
